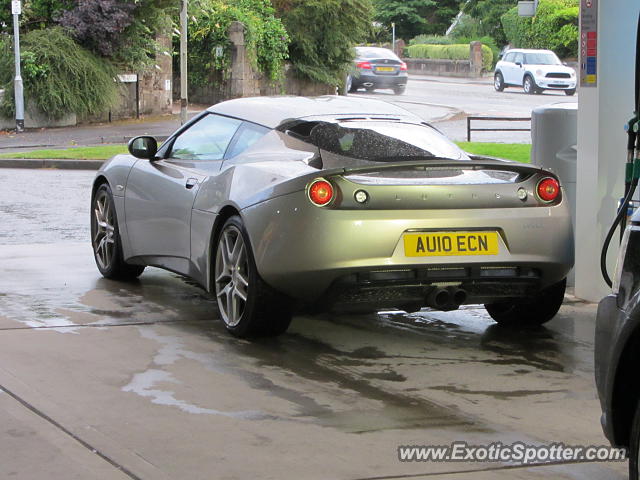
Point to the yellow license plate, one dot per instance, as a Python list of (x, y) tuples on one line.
[(450, 244), (384, 69)]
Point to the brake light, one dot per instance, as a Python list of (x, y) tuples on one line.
[(364, 65), (548, 189), (320, 192), (403, 66)]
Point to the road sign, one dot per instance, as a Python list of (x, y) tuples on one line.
[(16, 7)]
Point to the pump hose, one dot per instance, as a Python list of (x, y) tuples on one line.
[(621, 213)]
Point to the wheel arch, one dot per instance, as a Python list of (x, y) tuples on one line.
[(97, 183), (223, 215), (626, 390)]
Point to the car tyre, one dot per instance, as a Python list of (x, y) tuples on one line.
[(634, 446), (536, 310), (570, 93), (247, 305), (529, 85), (399, 90), (349, 87), (498, 82), (105, 238)]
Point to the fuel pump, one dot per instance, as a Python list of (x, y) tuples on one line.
[(632, 168)]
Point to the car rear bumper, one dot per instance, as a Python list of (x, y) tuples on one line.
[(305, 251), (379, 80)]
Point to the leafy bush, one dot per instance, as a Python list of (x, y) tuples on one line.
[(208, 29), (555, 27), (450, 52), (323, 33), (59, 76)]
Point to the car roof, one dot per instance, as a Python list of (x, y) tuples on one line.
[(528, 50), (273, 111)]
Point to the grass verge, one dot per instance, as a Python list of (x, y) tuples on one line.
[(520, 152), (102, 152)]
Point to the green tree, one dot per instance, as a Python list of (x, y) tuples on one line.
[(323, 33), (488, 13), (555, 27), (416, 17)]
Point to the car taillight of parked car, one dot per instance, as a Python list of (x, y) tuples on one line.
[(403, 66), (320, 192), (548, 189), (364, 65)]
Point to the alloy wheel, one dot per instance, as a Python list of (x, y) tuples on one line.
[(528, 85), (231, 275), (104, 231)]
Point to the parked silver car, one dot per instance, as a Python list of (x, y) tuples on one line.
[(376, 67), (335, 202)]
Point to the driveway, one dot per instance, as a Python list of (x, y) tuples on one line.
[(102, 379)]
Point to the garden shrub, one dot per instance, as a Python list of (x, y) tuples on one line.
[(59, 76)]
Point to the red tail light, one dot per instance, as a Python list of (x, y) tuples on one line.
[(364, 65), (403, 66), (548, 189), (320, 192)]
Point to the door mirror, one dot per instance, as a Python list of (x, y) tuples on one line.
[(143, 147), (519, 64)]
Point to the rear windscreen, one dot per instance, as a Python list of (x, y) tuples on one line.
[(380, 141)]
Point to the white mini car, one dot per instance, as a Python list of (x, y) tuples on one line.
[(534, 71)]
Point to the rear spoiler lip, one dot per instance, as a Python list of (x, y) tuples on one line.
[(476, 163)]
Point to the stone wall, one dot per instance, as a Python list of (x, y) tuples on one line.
[(471, 68)]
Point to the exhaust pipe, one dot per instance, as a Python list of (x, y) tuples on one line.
[(446, 299), (368, 84), (439, 298), (458, 296)]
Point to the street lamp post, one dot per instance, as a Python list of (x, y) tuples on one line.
[(393, 37), (16, 10), (183, 62)]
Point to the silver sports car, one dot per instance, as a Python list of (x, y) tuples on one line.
[(276, 204)]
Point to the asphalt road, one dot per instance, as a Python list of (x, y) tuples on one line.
[(110, 380), (458, 98)]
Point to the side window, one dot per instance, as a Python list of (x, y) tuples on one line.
[(208, 139), (248, 134), (519, 58)]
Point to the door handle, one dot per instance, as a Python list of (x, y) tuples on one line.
[(191, 182)]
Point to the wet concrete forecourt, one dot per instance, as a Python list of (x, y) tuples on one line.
[(102, 379)]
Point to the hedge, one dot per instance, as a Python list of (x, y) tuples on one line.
[(450, 52)]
